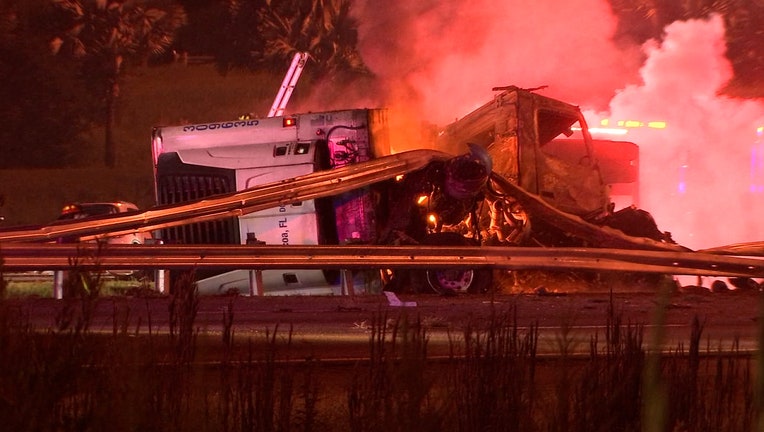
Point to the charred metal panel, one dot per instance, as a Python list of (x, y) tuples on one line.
[(493, 126), (572, 184), (528, 135), (618, 162), (379, 132), (572, 188), (504, 152)]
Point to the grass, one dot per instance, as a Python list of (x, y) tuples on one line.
[(44, 288), (68, 377)]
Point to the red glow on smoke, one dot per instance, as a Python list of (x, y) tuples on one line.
[(438, 60), (443, 57)]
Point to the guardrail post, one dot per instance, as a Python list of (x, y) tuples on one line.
[(161, 276), (255, 276), (58, 284), (256, 283), (160, 280), (347, 282)]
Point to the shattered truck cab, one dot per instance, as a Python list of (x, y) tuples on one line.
[(515, 128), (524, 134)]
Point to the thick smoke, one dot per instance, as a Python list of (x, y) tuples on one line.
[(698, 175), (443, 57), (437, 60)]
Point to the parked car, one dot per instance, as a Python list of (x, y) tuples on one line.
[(75, 211)]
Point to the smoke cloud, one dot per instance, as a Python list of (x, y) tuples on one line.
[(438, 60), (699, 175), (443, 57)]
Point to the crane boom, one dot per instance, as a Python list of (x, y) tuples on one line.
[(288, 84)]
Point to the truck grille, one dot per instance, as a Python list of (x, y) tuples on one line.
[(181, 187)]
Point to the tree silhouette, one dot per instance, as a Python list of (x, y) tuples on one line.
[(37, 90), (105, 34), (267, 33), (322, 28), (640, 20)]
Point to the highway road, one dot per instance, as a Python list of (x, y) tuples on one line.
[(340, 327)]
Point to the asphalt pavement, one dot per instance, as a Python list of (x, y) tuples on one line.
[(333, 327)]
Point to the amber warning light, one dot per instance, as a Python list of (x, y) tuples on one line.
[(70, 208), (290, 121), (621, 127)]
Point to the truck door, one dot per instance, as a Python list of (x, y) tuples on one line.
[(570, 181)]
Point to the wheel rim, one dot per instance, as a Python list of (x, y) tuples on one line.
[(450, 280)]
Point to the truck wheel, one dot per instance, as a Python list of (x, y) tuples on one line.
[(453, 281)]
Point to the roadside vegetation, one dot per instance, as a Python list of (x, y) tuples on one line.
[(70, 377), (44, 288)]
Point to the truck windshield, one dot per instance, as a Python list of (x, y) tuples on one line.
[(552, 124)]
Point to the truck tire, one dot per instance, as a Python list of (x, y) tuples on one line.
[(455, 281)]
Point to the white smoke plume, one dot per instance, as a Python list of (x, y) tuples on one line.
[(699, 177)]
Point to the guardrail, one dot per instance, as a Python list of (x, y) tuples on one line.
[(89, 256), (24, 257)]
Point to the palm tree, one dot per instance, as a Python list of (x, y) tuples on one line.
[(37, 89), (323, 28), (105, 33), (640, 20)]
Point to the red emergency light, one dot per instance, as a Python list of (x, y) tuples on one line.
[(289, 121)]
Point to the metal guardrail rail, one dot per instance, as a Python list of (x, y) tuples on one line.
[(89, 256)]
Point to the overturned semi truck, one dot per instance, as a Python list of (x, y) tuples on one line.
[(506, 185)]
